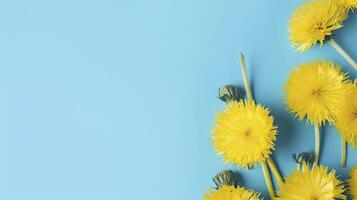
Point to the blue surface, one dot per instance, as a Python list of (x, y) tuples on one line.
[(116, 99)]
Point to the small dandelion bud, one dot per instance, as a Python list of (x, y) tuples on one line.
[(303, 157), (226, 177), (225, 191), (229, 93)]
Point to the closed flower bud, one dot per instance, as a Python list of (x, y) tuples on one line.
[(306, 157), (229, 93), (226, 177)]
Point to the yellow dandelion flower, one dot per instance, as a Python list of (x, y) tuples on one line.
[(313, 21), (315, 183), (244, 133), (231, 193), (346, 118), (314, 91), (353, 182)]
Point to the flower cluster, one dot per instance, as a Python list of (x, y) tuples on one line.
[(319, 92)]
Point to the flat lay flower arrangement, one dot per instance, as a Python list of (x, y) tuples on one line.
[(317, 92)]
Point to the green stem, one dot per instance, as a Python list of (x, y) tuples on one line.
[(275, 171), (317, 143), (248, 90), (342, 52), (343, 152), (267, 178)]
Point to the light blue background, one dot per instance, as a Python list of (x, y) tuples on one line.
[(116, 99)]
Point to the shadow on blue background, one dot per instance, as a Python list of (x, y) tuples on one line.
[(116, 99)]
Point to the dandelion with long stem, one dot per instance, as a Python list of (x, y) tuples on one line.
[(245, 134), (314, 91), (314, 22)]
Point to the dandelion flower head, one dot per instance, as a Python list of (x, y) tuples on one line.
[(231, 193), (314, 21), (244, 133), (315, 91), (315, 183)]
